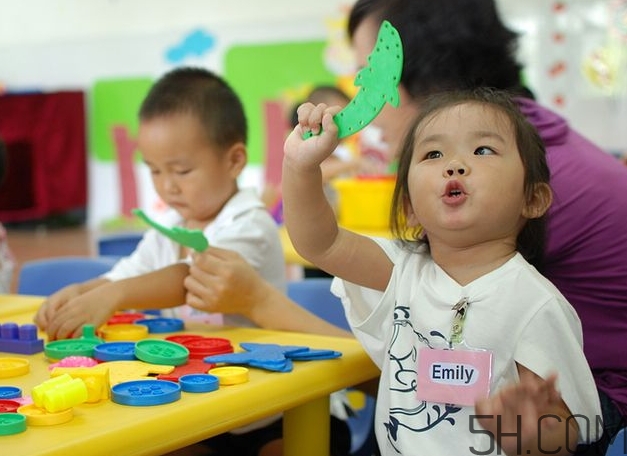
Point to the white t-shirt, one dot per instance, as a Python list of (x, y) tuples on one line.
[(244, 225), (514, 311)]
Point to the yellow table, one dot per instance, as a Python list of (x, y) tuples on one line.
[(108, 429), (292, 257)]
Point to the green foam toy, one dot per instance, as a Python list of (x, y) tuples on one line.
[(194, 239), (377, 81)]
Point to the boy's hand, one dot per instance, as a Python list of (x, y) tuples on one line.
[(52, 305), (314, 150), (222, 281), (94, 307)]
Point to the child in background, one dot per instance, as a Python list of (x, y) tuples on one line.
[(472, 190), (7, 262), (343, 162), (192, 135)]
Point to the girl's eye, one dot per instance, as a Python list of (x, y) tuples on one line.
[(182, 172), (433, 154), (484, 150)]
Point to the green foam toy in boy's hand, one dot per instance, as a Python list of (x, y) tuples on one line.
[(194, 239), (377, 82)]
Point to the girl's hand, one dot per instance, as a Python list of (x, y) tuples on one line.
[(309, 153)]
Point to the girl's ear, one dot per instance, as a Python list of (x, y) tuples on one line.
[(539, 202), (410, 216), (236, 158)]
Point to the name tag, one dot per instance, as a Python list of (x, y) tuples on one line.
[(458, 377)]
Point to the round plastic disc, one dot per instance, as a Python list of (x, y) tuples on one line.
[(10, 392), (162, 325), (199, 383), (8, 406), (124, 332), (230, 375), (40, 417), (125, 318), (12, 423), (115, 351), (145, 392), (157, 351), (13, 367), (60, 349)]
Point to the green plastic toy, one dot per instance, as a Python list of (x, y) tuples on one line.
[(377, 82), (194, 239)]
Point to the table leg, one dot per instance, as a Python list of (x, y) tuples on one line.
[(307, 429)]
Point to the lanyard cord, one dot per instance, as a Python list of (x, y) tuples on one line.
[(457, 328)]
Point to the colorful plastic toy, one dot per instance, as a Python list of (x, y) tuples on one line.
[(124, 332), (96, 380), (377, 82), (10, 392), (13, 367), (192, 366), (9, 406), (230, 375), (194, 239), (20, 339), (60, 393), (74, 361), (12, 423), (200, 346), (36, 416), (115, 351), (199, 383), (272, 357), (124, 371), (162, 325), (157, 351), (145, 392), (83, 346)]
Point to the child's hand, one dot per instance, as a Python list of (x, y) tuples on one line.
[(313, 151), (92, 308), (222, 281), (52, 305), (539, 407)]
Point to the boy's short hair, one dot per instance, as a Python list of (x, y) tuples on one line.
[(203, 94)]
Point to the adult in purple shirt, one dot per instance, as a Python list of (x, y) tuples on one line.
[(452, 44)]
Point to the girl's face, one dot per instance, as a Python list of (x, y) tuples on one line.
[(466, 177), (189, 173), (393, 122)]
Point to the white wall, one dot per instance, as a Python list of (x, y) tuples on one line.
[(56, 44)]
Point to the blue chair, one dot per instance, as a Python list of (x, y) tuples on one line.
[(618, 446), (44, 277), (118, 244), (314, 294)]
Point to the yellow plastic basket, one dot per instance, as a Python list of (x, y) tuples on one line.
[(364, 203)]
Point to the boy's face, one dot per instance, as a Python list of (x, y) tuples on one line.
[(466, 178), (189, 173)]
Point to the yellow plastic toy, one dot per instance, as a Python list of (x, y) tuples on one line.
[(59, 393)]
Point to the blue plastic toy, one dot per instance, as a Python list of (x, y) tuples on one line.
[(20, 339), (273, 357)]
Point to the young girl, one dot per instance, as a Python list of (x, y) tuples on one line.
[(468, 335)]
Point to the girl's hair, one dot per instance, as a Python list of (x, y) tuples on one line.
[(531, 239), (203, 94)]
